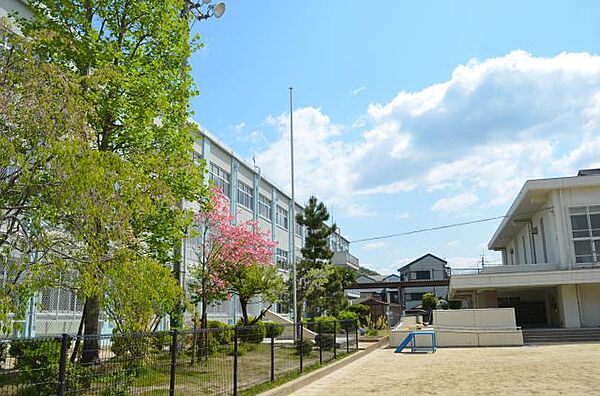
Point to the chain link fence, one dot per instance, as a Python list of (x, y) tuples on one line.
[(221, 360)]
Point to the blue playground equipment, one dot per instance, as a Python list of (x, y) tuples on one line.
[(411, 338)]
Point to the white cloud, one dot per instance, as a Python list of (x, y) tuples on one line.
[(456, 203), (584, 156), (356, 91), (374, 245), (452, 244), (464, 262), (493, 124)]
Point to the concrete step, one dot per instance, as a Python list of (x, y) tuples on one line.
[(556, 336)]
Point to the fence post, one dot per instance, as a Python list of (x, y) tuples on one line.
[(320, 342), (347, 340), (235, 359), (62, 368), (173, 362), (356, 334), (272, 354), (301, 346), (335, 339)]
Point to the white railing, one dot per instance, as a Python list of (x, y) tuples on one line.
[(501, 269)]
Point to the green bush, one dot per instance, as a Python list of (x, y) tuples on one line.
[(442, 304), (326, 323), (3, 351), (253, 334), (327, 339), (132, 346), (221, 332), (273, 330), (371, 332), (305, 346), (430, 301), (363, 312), (348, 320), (160, 341), (455, 304), (38, 360)]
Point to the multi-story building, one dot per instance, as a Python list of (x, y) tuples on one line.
[(550, 247)]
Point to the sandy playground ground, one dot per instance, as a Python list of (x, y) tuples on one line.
[(572, 369)]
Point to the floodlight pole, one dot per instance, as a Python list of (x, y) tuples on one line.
[(292, 226)]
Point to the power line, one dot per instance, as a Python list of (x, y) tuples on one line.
[(442, 227)]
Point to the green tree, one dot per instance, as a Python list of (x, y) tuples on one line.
[(130, 59), (313, 270), (41, 113), (256, 280), (429, 303), (334, 298)]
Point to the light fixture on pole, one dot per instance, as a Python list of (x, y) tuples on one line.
[(212, 10), (292, 225)]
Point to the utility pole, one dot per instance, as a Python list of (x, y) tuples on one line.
[(292, 226)]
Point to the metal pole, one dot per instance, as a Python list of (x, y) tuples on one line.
[(334, 339), (292, 226), (173, 362), (347, 341), (62, 368), (235, 359), (301, 346), (320, 342), (356, 334), (272, 354)]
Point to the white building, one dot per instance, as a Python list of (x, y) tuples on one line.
[(550, 246)]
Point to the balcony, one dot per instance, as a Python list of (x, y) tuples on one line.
[(502, 269), (345, 258)]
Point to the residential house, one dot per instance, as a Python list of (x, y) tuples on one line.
[(550, 247), (427, 267)]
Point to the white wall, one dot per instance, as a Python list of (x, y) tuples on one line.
[(589, 297)]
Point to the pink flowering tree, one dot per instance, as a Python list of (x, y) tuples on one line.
[(226, 254)]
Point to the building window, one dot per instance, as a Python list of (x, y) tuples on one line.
[(299, 230), (264, 206), (197, 158), (281, 256), (282, 217), (585, 232), (524, 249), (414, 296), (220, 178), (423, 275), (245, 195)]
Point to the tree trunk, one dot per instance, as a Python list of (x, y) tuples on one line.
[(244, 305), (79, 334), (91, 349)]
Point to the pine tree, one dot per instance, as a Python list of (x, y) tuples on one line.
[(313, 270)]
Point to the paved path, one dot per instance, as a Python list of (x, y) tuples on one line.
[(537, 370)]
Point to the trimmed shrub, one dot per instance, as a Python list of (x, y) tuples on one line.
[(348, 320), (327, 339), (253, 334), (273, 330), (455, 304), (305, 346), (160, 341), (326, 326), (221, 332)]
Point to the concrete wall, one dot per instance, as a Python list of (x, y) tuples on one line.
[(589, 297), (568, 306), (475, 318)]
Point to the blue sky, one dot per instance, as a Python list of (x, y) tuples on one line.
[(407, 114)]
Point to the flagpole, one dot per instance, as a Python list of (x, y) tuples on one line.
[(292, 222)]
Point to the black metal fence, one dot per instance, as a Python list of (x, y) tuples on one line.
[(216, 361)]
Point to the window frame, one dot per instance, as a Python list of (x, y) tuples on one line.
[(262, 205), (282, 214), (221, 178), (592, 237), (245, 191)]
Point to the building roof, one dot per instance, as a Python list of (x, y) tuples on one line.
[(532, 198), (421, 258)]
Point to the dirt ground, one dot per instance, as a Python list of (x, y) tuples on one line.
[(530, 370)]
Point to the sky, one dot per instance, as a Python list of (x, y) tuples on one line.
[(407, 115)]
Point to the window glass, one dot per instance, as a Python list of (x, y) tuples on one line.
[(282, 217), (583, 251), (423, 275), (264, 206), (245, 194), (580, 226), (220, 178)]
